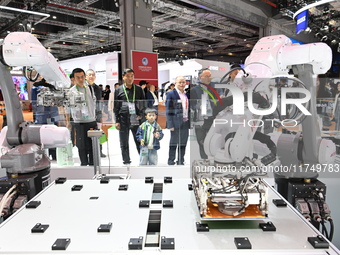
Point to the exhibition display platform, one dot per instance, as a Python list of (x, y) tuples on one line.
[(150, 216)]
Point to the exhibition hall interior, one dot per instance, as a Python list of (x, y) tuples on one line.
[(186, 126)]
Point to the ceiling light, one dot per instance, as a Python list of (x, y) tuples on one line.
[(230, 54), (184, 43), (54, 17), (84, 35), (110, 27), (324, 38)]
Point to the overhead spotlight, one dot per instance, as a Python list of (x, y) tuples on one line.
[(180, 63), (333, 42), (324, 38)]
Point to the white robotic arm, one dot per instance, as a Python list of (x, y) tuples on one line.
[(271, 57), (231, 140), (278, 53), (23, 49)]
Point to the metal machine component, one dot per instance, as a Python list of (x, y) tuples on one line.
[(61, 97), (95, 135), (230, 189), (302, 207)]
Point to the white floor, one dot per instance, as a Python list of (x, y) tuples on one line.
[(113, 153)]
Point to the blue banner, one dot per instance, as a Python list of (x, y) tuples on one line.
[(301, 21)]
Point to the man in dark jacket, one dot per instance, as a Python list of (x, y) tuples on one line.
[(96, 91), (128, 108), (201, 103), (177, 120)]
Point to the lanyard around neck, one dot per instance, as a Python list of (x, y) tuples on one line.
[(84, 93), (134, 94), (147, 132)]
